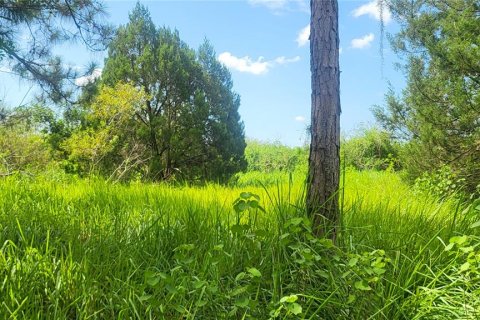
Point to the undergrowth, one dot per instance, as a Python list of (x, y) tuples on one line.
[(87, 249)]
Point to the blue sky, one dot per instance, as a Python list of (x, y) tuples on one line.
[(265, 45)]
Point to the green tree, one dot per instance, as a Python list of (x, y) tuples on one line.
[(438, 112), (190, 121), (29, 29), (109, 145), (226, 138)]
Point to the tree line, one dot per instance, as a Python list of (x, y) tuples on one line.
[(160, 110)]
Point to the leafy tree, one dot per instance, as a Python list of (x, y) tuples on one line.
[(30, 28), (438, 112), (189, 122), (110, 145), (226, 138), (324, 160)]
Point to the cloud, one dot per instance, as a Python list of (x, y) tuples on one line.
[(372, 9), (83, 81), (303, 36), (300, 118), (340, 50), (246, 64), (278, 6), (284, 60), (6, 69), (363, 42), (270, 4)]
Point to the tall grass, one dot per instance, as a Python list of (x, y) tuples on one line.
[(87, 249)]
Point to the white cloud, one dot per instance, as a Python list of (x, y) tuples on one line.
[(6, 69), (246, 64), (363, 42), (83, 81), (284, 60), (303, 36), (279, 6), (372, 9), (270, 4), (340, 50), (300, 118)]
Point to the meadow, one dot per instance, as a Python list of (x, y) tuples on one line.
[(89, 249)]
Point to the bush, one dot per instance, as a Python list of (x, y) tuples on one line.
[(22, 144), (270, 157), (371, 149), (441, 183)]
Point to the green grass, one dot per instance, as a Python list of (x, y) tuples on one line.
[(86, 249)]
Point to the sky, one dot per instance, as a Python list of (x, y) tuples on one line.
[(265, 45)]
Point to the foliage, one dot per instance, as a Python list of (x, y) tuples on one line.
[(87, 248), (110, 145), (269, 164), (189, 121), (442, 183), (29, 30), (270, 157), (23, 145), (437, 112), (371, 149)]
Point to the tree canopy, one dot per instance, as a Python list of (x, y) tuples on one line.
[(438, 112), (188, 123), (30, 29)]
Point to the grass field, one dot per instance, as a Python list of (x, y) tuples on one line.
[(87, 249)]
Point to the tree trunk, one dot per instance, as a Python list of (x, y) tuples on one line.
[(324, 159)]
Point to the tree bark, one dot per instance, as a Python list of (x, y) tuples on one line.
[(324, 159)]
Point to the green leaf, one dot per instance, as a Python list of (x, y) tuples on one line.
[(185, 247), (145, 297), (362, 285), (353, 261), (459, 239), (253, 203), (328, 243), (467, 249), (289, 299), (245, 195), (151, 278), (240, 206), (475, 225), (449, 246), (179, 308), (242, 302), (238, 228), (201, 303), (218, 247), (464, 267), (295, 308), (254, 272), (295, 221), (199, 283), (379, 270), (323, 274), (240, 276), (238, 291), (351, 298)]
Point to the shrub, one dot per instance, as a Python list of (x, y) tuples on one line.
[(371, 149)]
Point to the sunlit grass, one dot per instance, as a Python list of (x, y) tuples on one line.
[(78, 249)]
